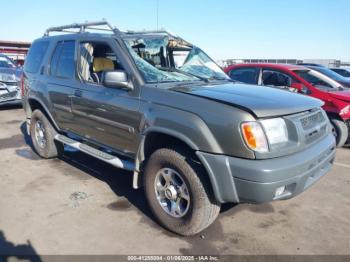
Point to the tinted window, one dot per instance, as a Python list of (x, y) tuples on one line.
[(329, 73), (54, 59), (245, 75), (35, 56), (275, 78), (66, 65), (315, 80), (342, 72)]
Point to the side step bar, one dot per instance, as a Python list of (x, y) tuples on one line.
[(110, 159)]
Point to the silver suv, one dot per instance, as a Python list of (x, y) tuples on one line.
[(10, 76)]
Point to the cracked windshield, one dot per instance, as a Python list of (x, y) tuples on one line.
[(161, 59)]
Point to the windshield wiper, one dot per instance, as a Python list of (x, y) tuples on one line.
[(183, 72)]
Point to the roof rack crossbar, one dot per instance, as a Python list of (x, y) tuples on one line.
[(150, 32), (83, 27)]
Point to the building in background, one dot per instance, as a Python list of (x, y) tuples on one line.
[(17, 51), (325, 62)]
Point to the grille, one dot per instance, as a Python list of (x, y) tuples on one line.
[(312, 121), (9, 83), (315, 135)]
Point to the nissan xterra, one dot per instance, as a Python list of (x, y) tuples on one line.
[(154, 104)]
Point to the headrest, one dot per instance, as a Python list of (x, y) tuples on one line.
[(102, 64)]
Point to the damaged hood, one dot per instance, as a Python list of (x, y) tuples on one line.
[(10, 74), (259, 100)]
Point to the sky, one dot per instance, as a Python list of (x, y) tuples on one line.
[(285, 29)]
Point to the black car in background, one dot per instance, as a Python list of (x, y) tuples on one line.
[(345, 72), (333, 75), (10, 77)]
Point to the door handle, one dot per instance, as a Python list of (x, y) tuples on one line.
[(78, 93)]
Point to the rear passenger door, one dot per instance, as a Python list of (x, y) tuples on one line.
[(248, 75), (61, 82)]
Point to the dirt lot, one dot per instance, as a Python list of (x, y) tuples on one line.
[(78, 205)]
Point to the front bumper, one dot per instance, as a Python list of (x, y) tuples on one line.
[(256, 181), (10, 94)]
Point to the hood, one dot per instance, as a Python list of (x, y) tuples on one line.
[(259, 100), (11, 71), (342, 95)]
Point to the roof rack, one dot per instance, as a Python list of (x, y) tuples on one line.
[(83, 27), (131, 32)]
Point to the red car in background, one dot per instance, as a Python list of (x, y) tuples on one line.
[(305, 81)]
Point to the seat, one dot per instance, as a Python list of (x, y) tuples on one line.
[(101, 64)]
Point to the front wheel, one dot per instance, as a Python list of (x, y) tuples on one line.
[(341, 131), (179, 192)]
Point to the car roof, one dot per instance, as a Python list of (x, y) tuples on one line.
[(268, 65)]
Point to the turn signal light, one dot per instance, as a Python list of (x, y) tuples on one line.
[(254, 136)]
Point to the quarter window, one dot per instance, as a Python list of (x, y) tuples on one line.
[(36, 56)]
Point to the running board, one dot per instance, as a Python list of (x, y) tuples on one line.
[(110, 159)]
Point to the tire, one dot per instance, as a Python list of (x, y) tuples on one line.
[(49, 148), (202, 208), (341, 131)]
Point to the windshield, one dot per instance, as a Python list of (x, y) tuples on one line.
[(319, 80), (335, 76), (161, 59), (6, 62)]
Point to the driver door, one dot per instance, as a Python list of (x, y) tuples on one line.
[(108, 116)]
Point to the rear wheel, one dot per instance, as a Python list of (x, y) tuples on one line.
[(42, 134), (179, 192), (341, 131)]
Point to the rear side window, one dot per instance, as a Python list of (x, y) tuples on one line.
[(66, 65), (62, 61), (36, 56), (54, 59), (245, 75)]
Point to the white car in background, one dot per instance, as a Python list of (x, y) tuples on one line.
[(10, 77)]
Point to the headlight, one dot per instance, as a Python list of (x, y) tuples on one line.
[(276, 130), (345, 110), (258, 135)]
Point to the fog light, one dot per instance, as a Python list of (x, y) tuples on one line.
[(280, 191)]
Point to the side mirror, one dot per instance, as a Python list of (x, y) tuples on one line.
[(301, 88), (116, 79), (297, 86)]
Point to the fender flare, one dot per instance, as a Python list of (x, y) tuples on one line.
[(47, 111)]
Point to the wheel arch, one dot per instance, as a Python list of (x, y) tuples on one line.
[(34, 104), (157, 138)]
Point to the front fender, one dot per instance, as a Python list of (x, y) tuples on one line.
[(186, 126)]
